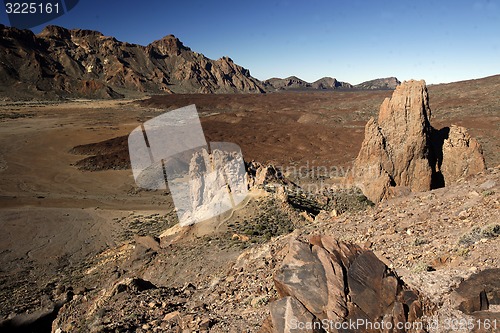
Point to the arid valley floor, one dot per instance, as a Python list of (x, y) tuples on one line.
[(71, 218)]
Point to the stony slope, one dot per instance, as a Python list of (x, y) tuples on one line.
[(432, 250), (86, 63), (204, 278)]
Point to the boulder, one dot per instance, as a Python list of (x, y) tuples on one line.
[(462, 155), (478, 292), (324, 283), (288, 315)]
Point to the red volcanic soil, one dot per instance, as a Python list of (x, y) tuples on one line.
[(293, 128), (328, 127), (310, 128)]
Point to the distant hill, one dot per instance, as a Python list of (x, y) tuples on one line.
[(62, 62), (386, 83), (329, 83), (59, 62), (294, 83)]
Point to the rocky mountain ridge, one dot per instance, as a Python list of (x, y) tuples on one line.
[(60, 62), (86, 63), (328, 83)]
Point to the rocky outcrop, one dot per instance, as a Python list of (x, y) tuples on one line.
[(462, 155), (395, 151), (325, 284), (63, 62), (402, 150), (260, 175), (478, 293), (207, 184), (387, 83)]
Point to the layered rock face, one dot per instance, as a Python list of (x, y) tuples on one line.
[(402, 149), (86, 63), (326, 283)]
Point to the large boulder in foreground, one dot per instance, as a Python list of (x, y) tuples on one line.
[(402, 150), (328, 285)]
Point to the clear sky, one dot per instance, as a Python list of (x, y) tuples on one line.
[(353, 41)]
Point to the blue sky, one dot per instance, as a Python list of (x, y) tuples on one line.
[(353, 41)]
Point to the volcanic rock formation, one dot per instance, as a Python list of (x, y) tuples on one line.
[(402, 149), (461, 155), (60, 62)]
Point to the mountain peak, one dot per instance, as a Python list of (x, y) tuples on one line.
[(294, 78), (169, 45), (55, 31), (226, 58)]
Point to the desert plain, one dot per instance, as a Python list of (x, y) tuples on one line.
[(67, 194)]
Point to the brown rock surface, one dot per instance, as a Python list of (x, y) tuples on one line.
[(402, 150), (338, 282), (462, 155), (479, 292), (288, 311), (396, 151)]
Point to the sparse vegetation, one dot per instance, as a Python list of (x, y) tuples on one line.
[(14, 115), (491, 231), (422, 267), (477, 233), (144, 225), (348, 200), (420, 241), (488, 193), (270, 222)]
